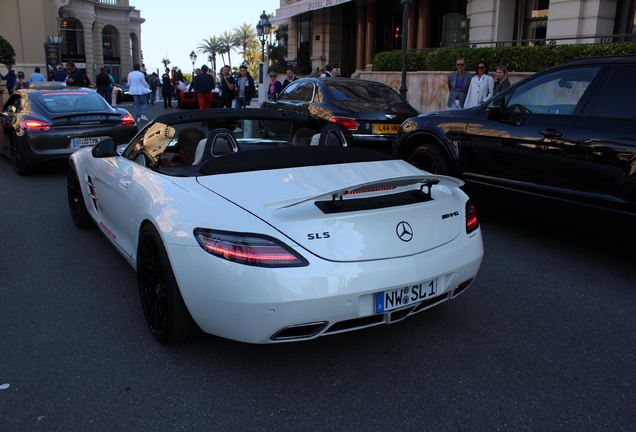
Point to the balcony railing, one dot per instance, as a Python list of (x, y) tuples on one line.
[(116, 2), (599, 39)]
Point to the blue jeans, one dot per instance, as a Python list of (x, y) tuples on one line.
[(141, 104), (152, 96), (242, 103)]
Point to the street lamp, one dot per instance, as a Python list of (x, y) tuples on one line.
[(193, 59), (262, 29), (405, 36)]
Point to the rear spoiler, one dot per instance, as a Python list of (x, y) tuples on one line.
[(424, 181), (69, 116)]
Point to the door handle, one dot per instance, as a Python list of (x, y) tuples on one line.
[(551, 133), (125, 182)]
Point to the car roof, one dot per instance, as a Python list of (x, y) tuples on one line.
[(626, 58), (54, 87), (341, 81)]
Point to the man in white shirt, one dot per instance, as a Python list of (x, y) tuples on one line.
[(139, 89)]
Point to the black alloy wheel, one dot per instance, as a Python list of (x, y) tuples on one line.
[(164, 308), (429, 158), (76, 204), (19, 164)]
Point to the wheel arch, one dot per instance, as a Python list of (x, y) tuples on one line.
[(415, 139)]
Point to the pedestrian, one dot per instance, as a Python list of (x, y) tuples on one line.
[(102, 81), (203, 84), (75, 76), (481, 86), (458, 83), (275, 86), (10, 78), (501, 80), (138, 89), (246, 88), (166, 89), (181, 87), (291, 77), (153, 82), (36, 76), (20, 83), (227, 88), (59, 75), (327, 72)]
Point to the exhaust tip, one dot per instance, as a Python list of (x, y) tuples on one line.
[(299, 331)]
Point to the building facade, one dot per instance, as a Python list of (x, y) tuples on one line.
[(348, 33), (90, 33)]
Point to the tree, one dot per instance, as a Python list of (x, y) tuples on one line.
[(211, 47), (226, 45), (7, 53), (165, 62), (245, 37)]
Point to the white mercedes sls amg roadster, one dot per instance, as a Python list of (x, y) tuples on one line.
[(263, 226)]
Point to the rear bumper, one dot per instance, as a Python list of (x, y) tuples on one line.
[(38, 148), (259, 305)]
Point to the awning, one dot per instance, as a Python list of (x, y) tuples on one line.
[(285, 13)]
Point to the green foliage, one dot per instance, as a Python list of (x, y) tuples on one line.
[(7, 54), (516, 59)]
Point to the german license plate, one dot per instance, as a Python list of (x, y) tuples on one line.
[(389, 300), (383, 128), (89, 141)]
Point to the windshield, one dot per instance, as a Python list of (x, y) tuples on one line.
[(70, 101), (364, 92)]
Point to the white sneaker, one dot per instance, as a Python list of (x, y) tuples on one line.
[(143, 117), (138, 119)]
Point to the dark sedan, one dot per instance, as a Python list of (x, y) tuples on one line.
[(567, 133), (45, 124), (372, 111)]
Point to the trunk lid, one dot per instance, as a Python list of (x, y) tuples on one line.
[(351, 212)]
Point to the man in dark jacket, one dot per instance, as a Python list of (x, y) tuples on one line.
[(203, 84), (102, 81), (75, 76), (10, 78), (246, 88)]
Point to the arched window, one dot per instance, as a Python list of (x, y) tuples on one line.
[(110, 44), (134, 49), (72, 33)]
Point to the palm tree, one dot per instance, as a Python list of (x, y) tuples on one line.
[(211, 47), (165, 62), (226, 44), (245, 37)]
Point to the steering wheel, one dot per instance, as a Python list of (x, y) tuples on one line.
[(519, 108)]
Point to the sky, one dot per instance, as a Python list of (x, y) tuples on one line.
[(174, 29)]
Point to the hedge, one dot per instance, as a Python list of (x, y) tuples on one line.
[(516, 58)]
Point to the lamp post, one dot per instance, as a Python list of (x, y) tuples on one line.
[(405, 36), (193, 59), (262, 29)]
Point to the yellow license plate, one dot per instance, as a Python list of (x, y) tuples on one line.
[(383, 128)]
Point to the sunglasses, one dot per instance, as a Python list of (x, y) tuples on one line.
[(481, 67), (461, 64)]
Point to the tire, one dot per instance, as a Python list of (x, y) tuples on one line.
[(21, 167), (429, 158), (76, 204), (161, 301)]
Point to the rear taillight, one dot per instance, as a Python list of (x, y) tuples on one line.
[(35, 125), (472, 223), (248, 249), (349, 123), (128, 120)]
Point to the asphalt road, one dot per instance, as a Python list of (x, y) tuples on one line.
[(544, 340)]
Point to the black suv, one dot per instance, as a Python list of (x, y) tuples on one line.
[(567, 133)]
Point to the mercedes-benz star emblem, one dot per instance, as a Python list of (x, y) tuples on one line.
[(390, 116), (404, 231)]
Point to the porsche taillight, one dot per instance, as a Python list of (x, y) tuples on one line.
[(35, 125), (348, 123), (472, 223), (249, 249), (128, 120)]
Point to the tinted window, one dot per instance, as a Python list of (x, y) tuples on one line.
[(302, 91), (618, 95), (285, 94), (70, 101), (558, 92), (364, 92)]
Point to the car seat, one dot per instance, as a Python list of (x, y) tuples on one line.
[(219, 142)]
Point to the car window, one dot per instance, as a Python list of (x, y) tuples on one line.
[(617, 98), (364, 92), (68, 101), (285, 94), (558, 92)]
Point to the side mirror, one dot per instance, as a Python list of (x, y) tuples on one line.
[(494, 109), (106, 148)]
